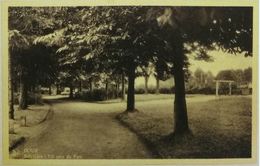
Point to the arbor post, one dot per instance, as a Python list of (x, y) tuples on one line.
[(217, 86), (230, 88)]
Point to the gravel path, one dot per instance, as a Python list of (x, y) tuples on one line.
[(85, 130)]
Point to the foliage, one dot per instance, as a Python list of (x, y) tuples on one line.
[(97, 95), (239, 76)]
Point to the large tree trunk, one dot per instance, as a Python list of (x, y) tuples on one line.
[(80, 85), (57, 89), (157, 86), (71, 91), (106, 90), (117, 88), (23, 93), (131, 90), (146, 77), (180, 108), (90, 85), (123, 87), (11, 91), (49, 89)]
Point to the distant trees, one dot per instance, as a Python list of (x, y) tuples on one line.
[(199, 80), (239, 76)]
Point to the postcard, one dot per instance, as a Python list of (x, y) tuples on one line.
[(129, 82)]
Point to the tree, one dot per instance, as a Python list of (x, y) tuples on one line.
[(147, 71), (126, 46), (31, 22), (200, 77), (215, 28), (17, 43), (247, 75)]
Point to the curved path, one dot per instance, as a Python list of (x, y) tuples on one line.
[(85, 130)]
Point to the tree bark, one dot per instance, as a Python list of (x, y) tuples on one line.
[(11, 85), (117, 88), (23, 93), (123, 87), (157, 86), (146, 77), (71, 91), (131, 90), (57, 89), (50, 90), (180, 108), (106, 90), (80, 85), (90, 85)]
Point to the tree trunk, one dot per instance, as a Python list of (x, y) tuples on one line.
[(50, 90), (180, 108), (11, 91), (80, 85), (23, 93), (146, 77), (71, 91), (131, 90), (90, 85), (106, 90), (123, 87), (157, 86), (117, 88), (57, 89)]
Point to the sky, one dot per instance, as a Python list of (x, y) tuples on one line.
[(222, 61)]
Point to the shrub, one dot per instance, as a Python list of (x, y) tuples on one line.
[(32, 98), (139, 91), (206, 90), (97, 95), (167, 90), (152, 91)]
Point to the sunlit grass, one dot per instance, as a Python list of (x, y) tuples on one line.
[(221, 128)]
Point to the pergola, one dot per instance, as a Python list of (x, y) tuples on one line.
[(223, 81)]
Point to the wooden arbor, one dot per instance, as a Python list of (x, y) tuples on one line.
[(223, 81)]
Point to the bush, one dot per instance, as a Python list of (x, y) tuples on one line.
[(139, 91), (152, 91), (32, 98), (166, 90), (206, 90), (97, 95)]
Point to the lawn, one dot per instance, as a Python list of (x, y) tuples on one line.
[(221, 127)]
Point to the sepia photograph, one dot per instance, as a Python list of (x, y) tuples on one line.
[(130, 82)]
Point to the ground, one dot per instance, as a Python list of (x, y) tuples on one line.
[(26, 123), (221, 127)]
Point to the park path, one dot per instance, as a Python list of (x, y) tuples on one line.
[(85, 130), (90, 131)]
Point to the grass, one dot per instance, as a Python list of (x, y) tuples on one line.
[(147, 97), (221, 128)]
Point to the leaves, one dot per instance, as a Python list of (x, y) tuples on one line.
[(17, 41), (53, 39)]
